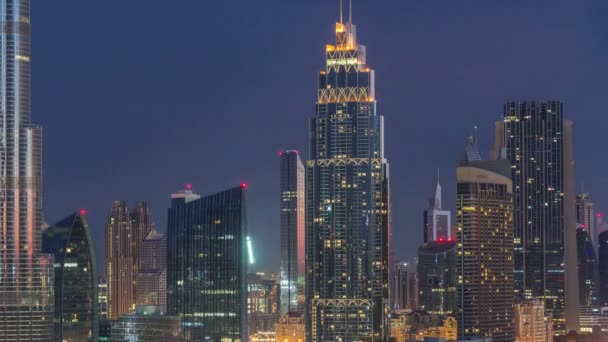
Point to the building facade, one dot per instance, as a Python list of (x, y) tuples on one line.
[(76, 297), (537, 141), (207, 265), (292, 229), (290, 328), (347, 201), (151, 286), (146, 324), (26, 285), (437, 222), (437, 275), (102, 298), (120, 261), (484, 213), (530, 322), (405, 286)]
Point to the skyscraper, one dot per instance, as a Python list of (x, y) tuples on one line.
[(587, 269), (141, 226), (120, 261), (207, 265), (537, 142), (76, 301), (603, 268), (26, 286), (146, 324), (484, 213), (437, 274), (151, 287), (405, 287), (347, 201), (437, 222), (292, 229), (585, 217)]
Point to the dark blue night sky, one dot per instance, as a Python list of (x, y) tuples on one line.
[(139, 97)]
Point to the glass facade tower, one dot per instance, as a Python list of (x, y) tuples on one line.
[(537, 142), (347, 201), (292, 229), (207, 265), (437, 275), (26, 297), (76, 279)]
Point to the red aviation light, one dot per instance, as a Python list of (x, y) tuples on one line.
[(244, 185), (82, 212)]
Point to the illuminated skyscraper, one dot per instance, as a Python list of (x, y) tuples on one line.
[(484, 266), (292, 229), (26, 285), (530, 323), (537, 142), (76, 281), (141, 226), (207, 265), (120, 261), (437, 222), (151, 287), (347, 201)]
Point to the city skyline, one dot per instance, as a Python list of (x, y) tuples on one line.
[(435, 59)]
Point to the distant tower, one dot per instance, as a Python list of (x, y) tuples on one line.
[(120, 261), (405, 286), (207, 264), (484, 206), (347, 201), (437, 275), (585, 217), (587, 269), (437, 222), (292, 229), (537, 142), (76, 301), (151, 287)]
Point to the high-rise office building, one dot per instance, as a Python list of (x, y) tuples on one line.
[(347, 201), (141, 226), (484, 213), (530, 323), (537, 141), (585, 217), (26, 285), (437, 275), (405, 286), (292, 228), (437, 222), (76, 301), (120, 261), (151, 286), (587, 269), (603, 268), (207, 264)]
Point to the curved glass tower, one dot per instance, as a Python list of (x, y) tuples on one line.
[(347, 201), (26, 298), (76, 306)]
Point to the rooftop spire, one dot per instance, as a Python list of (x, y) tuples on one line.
[(350, 12), (341, 11)]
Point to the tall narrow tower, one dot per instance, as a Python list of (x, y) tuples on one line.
[(537, 141), (26, 297), (292, 228), (347, 201)]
